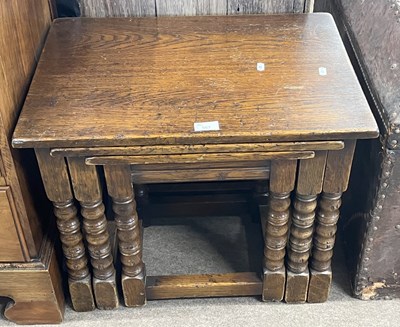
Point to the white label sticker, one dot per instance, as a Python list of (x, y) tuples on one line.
[(206, 126), (322, 71), (260, 66)]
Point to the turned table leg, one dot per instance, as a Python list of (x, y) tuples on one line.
[(87, 190), (337, 173), (309, 185), (56, 181), (282, 179), (119, 186)]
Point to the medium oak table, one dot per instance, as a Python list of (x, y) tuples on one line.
[(195, 99)]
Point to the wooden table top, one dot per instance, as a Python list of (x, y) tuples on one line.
[(103, 82)]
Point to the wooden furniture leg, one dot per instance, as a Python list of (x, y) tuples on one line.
[(87, 190), (337, 173), (309, 185), (56, 181), (282, 179), (119, 186)]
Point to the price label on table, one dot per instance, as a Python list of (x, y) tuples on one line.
[(206, 126)]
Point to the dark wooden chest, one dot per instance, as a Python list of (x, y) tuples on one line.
[(371, 31)]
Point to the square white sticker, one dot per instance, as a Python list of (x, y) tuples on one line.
[(322, 71)]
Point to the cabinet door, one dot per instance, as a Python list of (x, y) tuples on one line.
[(10, 247)]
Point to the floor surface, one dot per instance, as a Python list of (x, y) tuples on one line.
[(219, 245)]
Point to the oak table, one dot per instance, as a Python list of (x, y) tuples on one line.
[(149, 100)]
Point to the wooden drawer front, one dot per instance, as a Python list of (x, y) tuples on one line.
[(10, 247)]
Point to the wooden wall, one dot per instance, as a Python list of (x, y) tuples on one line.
[(126, 8), (23, 28)]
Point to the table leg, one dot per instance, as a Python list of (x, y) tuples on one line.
[(282, 179), (337, 173), (119, 186), (56, 181), (87, 190), (309, 184)]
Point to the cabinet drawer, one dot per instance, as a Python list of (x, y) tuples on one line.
[(10, 247)]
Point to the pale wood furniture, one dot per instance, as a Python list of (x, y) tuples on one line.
[(121, 97), (29, 274)]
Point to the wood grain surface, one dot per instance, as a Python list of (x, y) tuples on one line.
[(147, 81), (88, 191), (23, 27), (200, 175), (264, 6), (129, 8), (210, 285), (282, 181), (198, 158), (310, 177), (190, 7), (36, 292), (56, 181), (204, 148), (130, 242), (120, 8), (10, 249)]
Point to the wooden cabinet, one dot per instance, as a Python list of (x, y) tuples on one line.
[(28, 269)]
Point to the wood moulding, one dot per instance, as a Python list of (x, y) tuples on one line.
[(196, 158), (203, 148)]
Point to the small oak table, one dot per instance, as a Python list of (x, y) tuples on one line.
[(195, 99)]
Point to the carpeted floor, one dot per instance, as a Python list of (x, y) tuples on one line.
[(219, 245)]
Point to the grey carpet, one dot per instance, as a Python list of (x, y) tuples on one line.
[(219, 245)]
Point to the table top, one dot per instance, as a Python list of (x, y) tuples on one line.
[(145, 81)]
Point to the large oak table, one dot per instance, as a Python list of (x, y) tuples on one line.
[(157, 100)]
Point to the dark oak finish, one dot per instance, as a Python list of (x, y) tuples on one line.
[(123, 109), (87, 190), (309, 186), (200, 175), (189, 286), (218, 65), (204, 148), (282, 180), (197, 158), (120, 189), (337, 173), (56, 181)]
